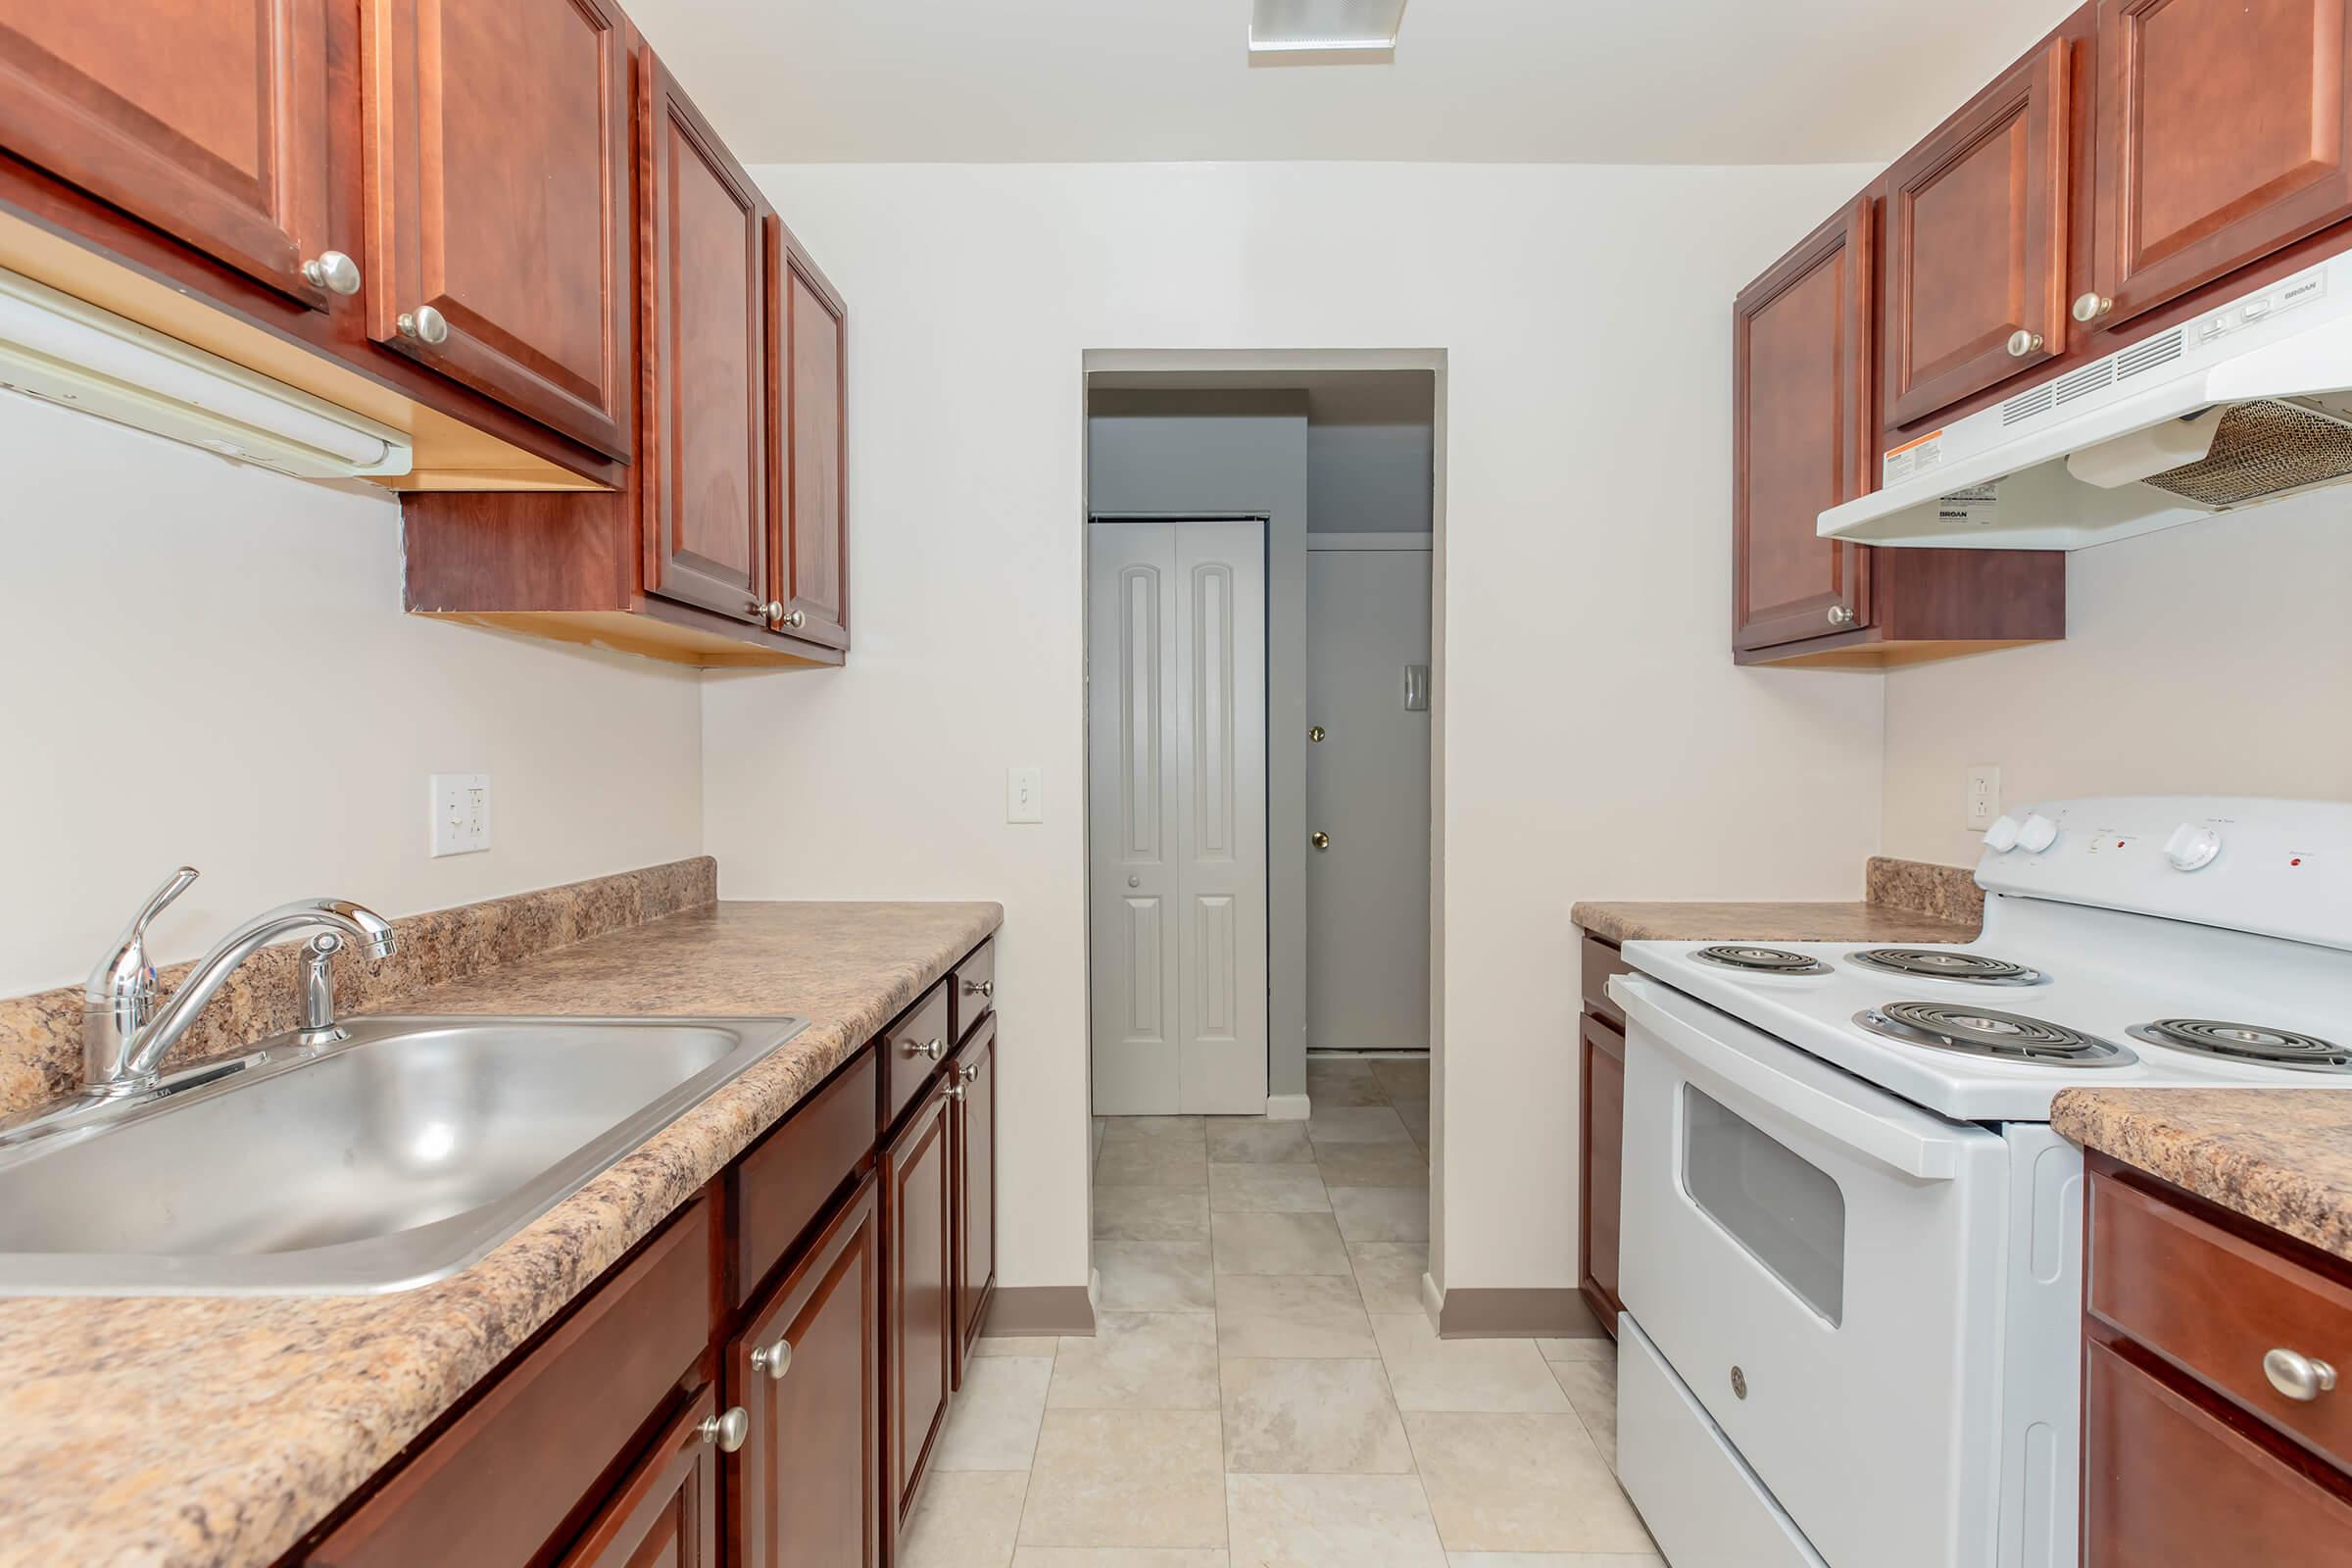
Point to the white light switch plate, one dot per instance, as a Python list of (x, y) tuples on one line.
[(461, 814), (1984, 797), (1024, 795)]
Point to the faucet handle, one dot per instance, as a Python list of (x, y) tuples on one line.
[(159, 901), (124, 982)]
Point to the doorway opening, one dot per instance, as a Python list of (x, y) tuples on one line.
[(1265, 684)]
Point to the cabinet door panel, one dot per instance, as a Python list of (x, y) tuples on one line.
[(1801, 357), (1975, 243), (504, 209), (1603, 1164), (807, 328), (207, 119), (704, 425), (918, 1293), (974, 1076), (810, 1494), (666, 1514), (2225, 132)]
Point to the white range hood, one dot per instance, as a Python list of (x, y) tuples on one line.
[(2250, 402)]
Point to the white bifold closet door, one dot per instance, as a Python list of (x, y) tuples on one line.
[(1176, 781)]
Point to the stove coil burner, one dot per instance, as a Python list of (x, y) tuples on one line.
[(1943, 963), (2000, 1036), (1761, 960), (2245, 1042)]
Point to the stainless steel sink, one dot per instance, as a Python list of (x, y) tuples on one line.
[(394, 1157)]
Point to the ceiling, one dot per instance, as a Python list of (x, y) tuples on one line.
[(1333, 396), (1660, 81)]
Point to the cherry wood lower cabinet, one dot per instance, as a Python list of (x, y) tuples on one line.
[(1600, 1133), (666, 1513), (918, 1190), (972, 1085), (2191, 1456)]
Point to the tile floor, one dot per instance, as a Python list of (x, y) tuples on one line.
[(1264, 1389)]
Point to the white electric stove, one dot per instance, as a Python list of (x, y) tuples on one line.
[(1851, 1243)]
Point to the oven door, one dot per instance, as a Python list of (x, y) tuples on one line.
[(1820, 1264)]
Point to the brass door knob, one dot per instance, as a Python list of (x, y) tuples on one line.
[(1315, 734), (1321, 841)]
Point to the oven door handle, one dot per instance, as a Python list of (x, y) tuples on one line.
[(1898, 1141)]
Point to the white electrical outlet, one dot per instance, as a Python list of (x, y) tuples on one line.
[(1024, 795), (460, 807), (1984, 797)]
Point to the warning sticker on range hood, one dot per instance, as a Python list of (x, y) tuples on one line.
[(1912, 459)]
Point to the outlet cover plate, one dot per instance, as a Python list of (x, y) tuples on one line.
[(1984, 797)]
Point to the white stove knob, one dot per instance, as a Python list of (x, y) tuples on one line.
[(2037, 834), (2191, 848), (2001, 837)]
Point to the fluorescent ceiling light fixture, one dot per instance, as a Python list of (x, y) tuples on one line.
[(1299, 26)]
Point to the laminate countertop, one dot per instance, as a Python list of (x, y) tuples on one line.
[(2282, 1158), (1766, 922), (190, 1431)]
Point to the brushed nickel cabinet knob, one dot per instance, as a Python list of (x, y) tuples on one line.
[(425, 324), (790, 620), (774, 1359), (2091, 307), (934, 1048), (1840, 615), (2022, 343), (2299, 1377), (727, 1430), (979, 988), (768, 608), (333, 272)]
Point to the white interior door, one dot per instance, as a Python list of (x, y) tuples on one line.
[(1367, 788), (1176, 794)]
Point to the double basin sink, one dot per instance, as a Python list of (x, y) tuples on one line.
[(397, 1155)]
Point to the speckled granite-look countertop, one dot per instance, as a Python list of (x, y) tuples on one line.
[(2279, 1156), (188, 1431), (1909, 900)]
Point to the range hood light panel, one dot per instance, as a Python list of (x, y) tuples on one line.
[(1317, 27)]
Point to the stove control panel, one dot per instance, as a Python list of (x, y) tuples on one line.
[(2001, 837), (2282, 869)]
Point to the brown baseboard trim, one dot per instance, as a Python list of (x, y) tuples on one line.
[(1019, 1311), (1517, 1314)]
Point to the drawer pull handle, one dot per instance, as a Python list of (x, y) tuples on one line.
[(934, 1048), (979, 988), (727, 1430), (2299, 1377), (774, 1359)]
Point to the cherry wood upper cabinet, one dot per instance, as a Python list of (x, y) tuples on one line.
[(705, 429), (1975, 252), (807, 1369), (808, 509), (1801, 354), (2225, 134), (499, 216), (207, 119)]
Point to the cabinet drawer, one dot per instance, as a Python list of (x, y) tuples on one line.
[(1601, 961), (2214, 1305), (2166, 1483), (972, 989), (912, 1050), (784, 1182), (507, 1478)]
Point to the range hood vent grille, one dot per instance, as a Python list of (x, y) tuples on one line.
[(2084, 382), (2263, 449), (2140, 358), (2026, 404)]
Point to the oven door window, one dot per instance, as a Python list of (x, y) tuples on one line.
[(1787, 1212)]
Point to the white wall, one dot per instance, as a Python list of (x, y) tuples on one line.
[(2213, 659), (209, 664), (1599, 740)]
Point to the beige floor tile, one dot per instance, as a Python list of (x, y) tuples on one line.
[(1151, 1214), (1543, 1559), (1017, 1344), (1592, 1390), (1403, 1079), (1356, 1124), (1414, 1113), (1291, 1315), (1127, 1478), (1372, 1165), (1152, 1129), (1277, 1244), (1389, 1274), (1139, 1361), (1336, 1084), (1600, 1348), (1465, 1375), (1521, 1483), (964, 1521), (1120, 1558), (1152, 1164), (1155, 1277), (993, 1425), (1332, 1522), (1382, 1214), (1266, 1190), (1255, 1140), (1297, 1417)]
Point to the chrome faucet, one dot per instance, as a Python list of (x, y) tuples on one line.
[(124, 1036)]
